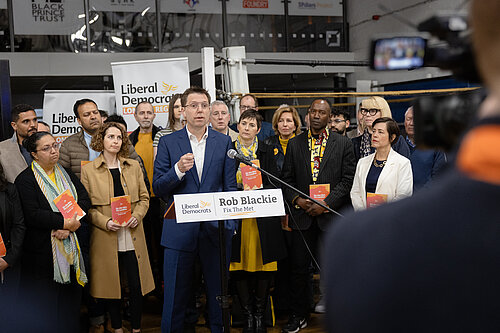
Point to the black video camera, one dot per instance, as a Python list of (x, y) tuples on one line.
[(441, 120)]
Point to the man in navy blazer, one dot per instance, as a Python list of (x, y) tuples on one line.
[(192, 160)]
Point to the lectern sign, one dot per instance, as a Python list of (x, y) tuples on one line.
[(228, 205)]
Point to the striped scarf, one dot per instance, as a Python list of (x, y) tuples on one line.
[(248, 152), (366, 144), (66, 252)]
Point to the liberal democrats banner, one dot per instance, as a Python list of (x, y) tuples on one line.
[(58, 109), (153, 81)]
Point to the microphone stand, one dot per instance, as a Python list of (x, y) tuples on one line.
[(287, 185)]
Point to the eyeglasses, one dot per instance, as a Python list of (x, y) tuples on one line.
[(338, 121), (195, 106), (246, 107), (371, 112), (46, 149)]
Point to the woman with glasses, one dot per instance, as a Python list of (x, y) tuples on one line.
[(175, 120), (286, 124), (53, 272), (117, 251), (384, 175), (371, 109)]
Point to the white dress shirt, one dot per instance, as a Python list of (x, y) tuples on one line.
[(198, 149)]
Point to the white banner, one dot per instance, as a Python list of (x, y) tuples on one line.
[(58, 109), (154, 81), (255, 7), (131, 6), (216, 206), (48, 17)]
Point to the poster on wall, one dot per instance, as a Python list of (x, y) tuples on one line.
[(255, 7), (131, 6), (58, 109), (153, 81), (47, 17)]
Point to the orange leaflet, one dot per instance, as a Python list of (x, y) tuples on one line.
[(319, 191), (374, 199), (3, 250), (121, 210), (251, 178), (68, 206)]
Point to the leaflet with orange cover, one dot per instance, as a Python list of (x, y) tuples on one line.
[(170, 213), (319, 191), (374, 199), (250, 177), (82, 163), (67, 205), (3, 250), (121, 210)]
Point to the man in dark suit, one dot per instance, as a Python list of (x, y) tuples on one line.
[(317, 156), (430, 263), (192, 160)]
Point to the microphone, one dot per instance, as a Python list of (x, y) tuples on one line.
[(233, 154)]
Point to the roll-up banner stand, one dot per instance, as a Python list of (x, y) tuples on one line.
[(153, 81), (58, 109)]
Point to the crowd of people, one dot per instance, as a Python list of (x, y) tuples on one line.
[(93, 260)]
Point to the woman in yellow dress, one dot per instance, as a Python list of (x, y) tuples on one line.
[(259, 242)]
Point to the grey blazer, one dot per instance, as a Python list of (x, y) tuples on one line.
[(12, 160)]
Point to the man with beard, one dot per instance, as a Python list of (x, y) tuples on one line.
[(340, 121), (13, 156)]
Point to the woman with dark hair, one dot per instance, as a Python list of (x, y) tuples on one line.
[(259, 243), (117, 248), (12, 230), (384, 175), (175, 120), (53, 272), (286, 124)]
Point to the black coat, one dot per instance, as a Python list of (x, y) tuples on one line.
[(134, 136), (337, 169), (429, 263), (272, 241), (279, 157), (12, 225), (40, 220)]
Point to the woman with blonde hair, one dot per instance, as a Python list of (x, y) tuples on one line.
[(286, 124), (372, 108), (117, 249)]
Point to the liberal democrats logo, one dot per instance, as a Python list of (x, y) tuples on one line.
[(191, 3), (168, 88)]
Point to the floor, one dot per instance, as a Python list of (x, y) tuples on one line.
[(152, 318)]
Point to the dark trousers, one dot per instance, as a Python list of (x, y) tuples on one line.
[(153, 224), (300, 263), (48, 306), (127, 262), (178, 274)]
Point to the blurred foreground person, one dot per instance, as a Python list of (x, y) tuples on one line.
[(117, 251), (53, 272), (430, 263), (385, 175)]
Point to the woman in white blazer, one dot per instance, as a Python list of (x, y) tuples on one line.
[(384, 172)]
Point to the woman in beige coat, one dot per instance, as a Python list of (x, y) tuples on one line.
[(116, 248)]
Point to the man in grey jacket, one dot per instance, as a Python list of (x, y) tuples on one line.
[(13, 156)]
